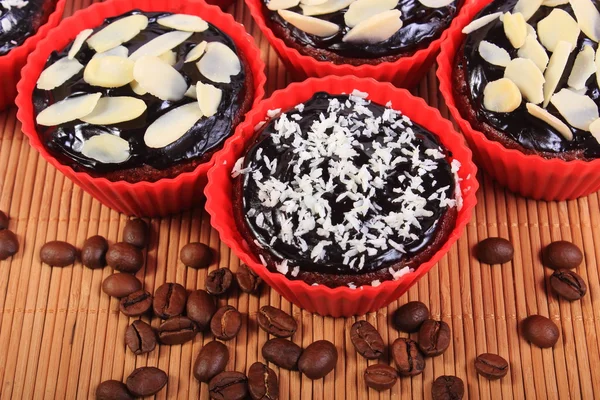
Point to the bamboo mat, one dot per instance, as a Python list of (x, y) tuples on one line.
[(60, 335)]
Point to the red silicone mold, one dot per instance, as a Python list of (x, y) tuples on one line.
[(14, 60), (221, 3), (341, 301), (165, 196), (528, 175)]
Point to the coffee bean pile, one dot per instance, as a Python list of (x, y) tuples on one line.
[(9, 244)]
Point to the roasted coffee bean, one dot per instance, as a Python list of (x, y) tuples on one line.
[(200, 308), (318, 359), (121, 285), (248, 281), (177, 330), (137, 303), (219, 281), (276, 322), (434, 337), (409, 317), (491, 366), (408, 358), (93, 252), (495, 250), (211, 361), (562, 255), (113, 390), (3, 221), (146, 381), (366, 340), (262, 382), (540, 331), (228, 385), (136, 233), (447, 388), (58, 253), (9, 244), (169, 300), (196, 255), (282, 352), (226, 323), (140, 337), (125, 257), (380, 377), (568, 284)]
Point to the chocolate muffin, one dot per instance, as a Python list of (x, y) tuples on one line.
[(527, 77), (359, 32), (342, 191), (20, 19), (144, 96)]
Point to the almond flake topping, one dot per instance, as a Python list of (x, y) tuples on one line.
[(209, 98), (312, 2), (362, 10), (106, 148), (184, 22), (161, 44), (502, 96), (527, 8), (515, 29), (554, 3), (118, 32), (551, 120), (436, 3), (528, 78), (114, 110), (579, 110), (169, 57), (598, 66), (494, 54), (275, 5), (119, 51), (170, 127), (196, 52), (328, 7), (481, 22), (137, 89), (78, 42), (376, 29), (588, 18), (583, 68), (67, 110), (58, 73), (556, 68), (533, 50), (219, 63), (314, 26), (159, 79), (556, 27), (108, 72)]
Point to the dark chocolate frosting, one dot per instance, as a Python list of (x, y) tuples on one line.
[(206, 135), (519, 125), (22, 22), (400, 165)]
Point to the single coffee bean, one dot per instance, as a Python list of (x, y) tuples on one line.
[(248, 281), (140, 338), (211, 361), (491, 366), (121, 285), (3, 221), (434, 337), (177, 330), (9, 244), (408, 358), (410, 316), (568, 284), (125, 257), (262, 382), (282, 352), (318, 359), (200, 308), (228, 385), (366, 340), (540, 331), (448, 388), (276, 322), (380, 377), (113, 390), (196, 255), (93, 252), (169, 300), (219, 281), (495, 250), (146, 381), (226, 323), (58, 253), (137, 303), (562, 255), (136, 233)]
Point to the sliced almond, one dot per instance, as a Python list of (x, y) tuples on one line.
[(312, 2), (108, 72), (169, 57), (171, 126), (502, 96), (114, 110), (118, 32), (531, 31), (137, 89), (191, 92), (161, 44), (78, 42), (595, 129), (556, 27), (436, 3), (219, 63), (159, 79), (515, 29), (209, 98), (119, 51), (196, 52), (275, 5), (533, 50), (583, 68), (376, 29), (588, 18), (481, 22), (598, 66), (184, 22), (493, 54), (106, 148), (67, 110), (556, 69), (528, 78), (330, 6), (579, 111), (527, 7), (314, 26), (551, 120), (58, 73), (361, 10), (554, 3)]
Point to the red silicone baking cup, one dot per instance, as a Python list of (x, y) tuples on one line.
[(221, 3), (162, 197), (528, 175), (341, 301), (405, 72), (14, 60)]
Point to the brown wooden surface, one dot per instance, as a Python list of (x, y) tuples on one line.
[(60, 335)]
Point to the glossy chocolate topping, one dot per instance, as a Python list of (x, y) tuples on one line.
[(17, 24), (519, 125), (344, 186)]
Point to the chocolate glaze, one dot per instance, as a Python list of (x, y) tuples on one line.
[(519, 126), (24, 22), (333, 262), (207, 135)]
